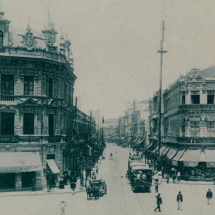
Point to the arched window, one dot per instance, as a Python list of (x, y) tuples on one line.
[(1, 38)]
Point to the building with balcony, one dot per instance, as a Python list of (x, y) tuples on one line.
[(188, 120), (36, 105)]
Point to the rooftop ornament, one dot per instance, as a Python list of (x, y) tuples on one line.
[(29, 41)]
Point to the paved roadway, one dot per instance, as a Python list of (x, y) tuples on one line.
[(120, 199)]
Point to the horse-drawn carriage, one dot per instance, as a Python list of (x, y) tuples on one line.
[(96, 189)]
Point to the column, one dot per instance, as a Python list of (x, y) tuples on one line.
[(203, 97), (187, 98)]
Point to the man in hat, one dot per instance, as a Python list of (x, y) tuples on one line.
[(159, 202), (179, 200), (209, 196)]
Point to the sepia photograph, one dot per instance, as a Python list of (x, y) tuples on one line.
[(107, 107)]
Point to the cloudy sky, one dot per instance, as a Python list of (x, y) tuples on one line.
[(115, 43)]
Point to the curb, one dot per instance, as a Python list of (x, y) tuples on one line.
[(191, 182), (41, 194)]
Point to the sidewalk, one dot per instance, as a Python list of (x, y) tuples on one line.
[(191, 182), (66, 190)]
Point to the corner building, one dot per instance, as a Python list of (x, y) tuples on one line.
[(188, 124), (36, 106)]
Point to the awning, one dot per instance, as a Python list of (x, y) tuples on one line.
[(210, 158), (177, 157), (162, 149), (155, 150), (12, 162), (165, 151), (191, 158), (171, 153), (149, 145), (52, 165)]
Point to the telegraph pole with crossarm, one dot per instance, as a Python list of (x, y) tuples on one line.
[(161, 52)]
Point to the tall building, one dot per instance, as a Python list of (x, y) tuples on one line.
[(36, 105), (188, 121)]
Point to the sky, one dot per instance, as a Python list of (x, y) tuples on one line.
[(115, 43)]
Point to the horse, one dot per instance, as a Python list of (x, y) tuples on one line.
[(96, 192), (89, 192)]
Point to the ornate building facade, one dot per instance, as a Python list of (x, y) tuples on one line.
[(36, 105), (188, 120)]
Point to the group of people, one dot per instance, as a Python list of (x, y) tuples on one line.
[(179, 199)]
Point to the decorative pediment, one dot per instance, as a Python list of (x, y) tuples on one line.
[(52, 103), (29, 102), (29, 41), (195, 75)]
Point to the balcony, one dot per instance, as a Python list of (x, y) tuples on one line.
[(31, 139), (197, 107), (7, 98), (190, 140), (37, 53), (18, 99)]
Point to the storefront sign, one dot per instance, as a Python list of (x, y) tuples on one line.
[(19, 169), (190, 163), (9, 139), (210, 164)]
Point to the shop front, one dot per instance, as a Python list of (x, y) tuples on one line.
[(20, 171), (52, 172)]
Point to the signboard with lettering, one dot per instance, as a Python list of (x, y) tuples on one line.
[(9, 139), (190, 163)]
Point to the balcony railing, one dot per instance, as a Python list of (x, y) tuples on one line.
[(31, 139), (39, 99), (190, 140), (197, 107), (7, 98)]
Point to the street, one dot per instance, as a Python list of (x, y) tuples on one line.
[(120, 199)]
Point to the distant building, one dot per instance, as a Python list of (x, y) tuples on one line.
[(110, 127), (133, 126)]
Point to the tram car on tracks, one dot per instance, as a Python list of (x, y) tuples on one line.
[(140, 177)]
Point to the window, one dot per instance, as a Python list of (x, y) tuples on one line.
[(29, 85), (28, 123), (7, 124), (51, 124), (50, 156), (183, 98), (195, 99), (1, 38), (50, 87), (7, 84), (210, 99)]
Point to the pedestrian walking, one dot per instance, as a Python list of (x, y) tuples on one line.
[(167, 178), (156, 185), (179, 200), (173, 178), (159, 202), (33, 185), (209, 196), (178, 176)]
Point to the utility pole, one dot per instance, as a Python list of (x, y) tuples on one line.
[(74, 131), (161, 52)]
